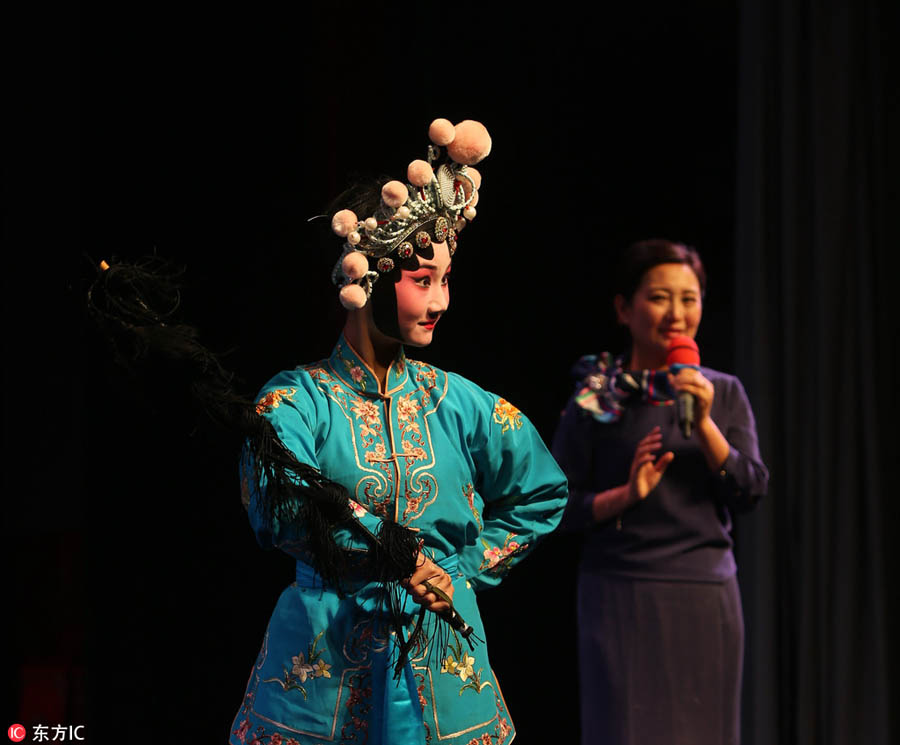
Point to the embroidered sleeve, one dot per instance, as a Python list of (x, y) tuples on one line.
[(289, 402), (523, 489), (289, 408)]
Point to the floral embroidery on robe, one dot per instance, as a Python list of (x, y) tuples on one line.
[(507, 415), (303, 667), (430, 450), (272, 400), (499, 558)]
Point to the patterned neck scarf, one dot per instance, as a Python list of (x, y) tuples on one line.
[(604, 388)]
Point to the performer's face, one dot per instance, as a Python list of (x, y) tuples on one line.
[(423, 296), (667, 303)]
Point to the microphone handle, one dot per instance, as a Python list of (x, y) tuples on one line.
[(686, 413), (685, 402)]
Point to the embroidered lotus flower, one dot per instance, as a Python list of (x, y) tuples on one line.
[(365, 410), (276, 739), (465, 667), (354, 370), (301, 668), (407, 408), (370, 415), (499, 558), (504, 728), (462, 665), (493, 556)]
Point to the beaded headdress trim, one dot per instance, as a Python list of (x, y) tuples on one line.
[(432, 208)]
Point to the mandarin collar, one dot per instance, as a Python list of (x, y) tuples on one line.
[(356, 374)]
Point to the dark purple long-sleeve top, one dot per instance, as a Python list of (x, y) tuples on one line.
[(681, 531)]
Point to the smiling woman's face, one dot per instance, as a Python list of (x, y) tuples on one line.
[(422, 297), (667, 303)]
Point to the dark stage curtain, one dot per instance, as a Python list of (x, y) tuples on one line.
[(817, 344)]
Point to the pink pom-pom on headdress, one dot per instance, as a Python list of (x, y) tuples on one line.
[(441, 132), (420, 173), (471, 144), (475, 175), (354, 265), (344, 222), (353, 297), (394, 193)]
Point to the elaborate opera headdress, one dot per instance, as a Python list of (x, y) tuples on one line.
[(435, 205)]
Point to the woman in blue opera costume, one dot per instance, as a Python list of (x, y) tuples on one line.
[(414, 446), (659, 612)]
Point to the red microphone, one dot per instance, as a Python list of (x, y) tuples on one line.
[(683, 353)]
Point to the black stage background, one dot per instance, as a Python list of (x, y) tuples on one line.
[(137, 594)]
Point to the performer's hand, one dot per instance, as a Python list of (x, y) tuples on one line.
[(646, 469), (694, 382), (428, 571)]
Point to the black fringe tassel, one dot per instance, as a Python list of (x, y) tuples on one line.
[(135, 306)]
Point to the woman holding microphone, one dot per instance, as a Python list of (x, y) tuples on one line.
[(659, 610)]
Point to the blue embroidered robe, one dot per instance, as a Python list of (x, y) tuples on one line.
[(435, 453)]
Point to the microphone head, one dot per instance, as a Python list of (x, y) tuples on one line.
[(682, 351)]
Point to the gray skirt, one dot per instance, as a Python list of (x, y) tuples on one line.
[(659, 662)]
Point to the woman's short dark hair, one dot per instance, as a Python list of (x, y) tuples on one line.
[(642, 256)]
